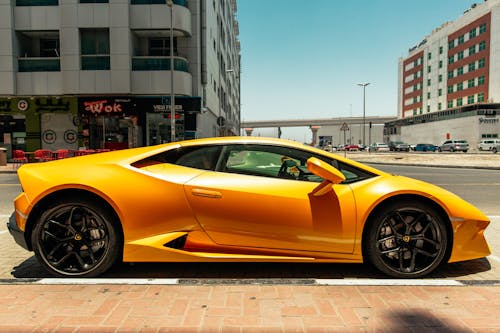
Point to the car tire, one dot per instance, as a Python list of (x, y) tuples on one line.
[(439, 150), (452, 149), (406, 239), (77, 238), (494, 149)]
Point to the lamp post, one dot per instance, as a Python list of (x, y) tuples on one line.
[(170, 4), (364, 107)]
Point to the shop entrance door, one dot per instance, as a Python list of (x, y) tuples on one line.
[(157, 129)]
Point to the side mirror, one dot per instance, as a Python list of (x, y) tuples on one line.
[(325, 171)]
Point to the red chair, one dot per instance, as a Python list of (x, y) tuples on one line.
[(43, 155), (19, 157), (63, 153)]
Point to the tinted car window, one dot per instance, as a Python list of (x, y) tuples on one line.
[(202, 157)]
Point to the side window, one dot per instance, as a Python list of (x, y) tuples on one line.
[(202, 158)]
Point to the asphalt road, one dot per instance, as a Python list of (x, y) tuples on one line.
[(480, 187)]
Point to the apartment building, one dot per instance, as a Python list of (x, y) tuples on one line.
[(449, 84), (104, 73)]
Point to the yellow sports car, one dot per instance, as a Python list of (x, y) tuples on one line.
[(237, 199)]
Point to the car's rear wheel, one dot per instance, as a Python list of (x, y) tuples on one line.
[(406, 240), (76, 238)]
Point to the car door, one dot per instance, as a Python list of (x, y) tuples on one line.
[(260, 198)]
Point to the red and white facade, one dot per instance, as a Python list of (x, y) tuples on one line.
[(449, 84), (458, 64)]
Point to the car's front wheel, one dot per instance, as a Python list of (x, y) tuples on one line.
[(406, 240), (76, 238)]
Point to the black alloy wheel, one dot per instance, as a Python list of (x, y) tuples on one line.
[(406, 240), (76, 238)]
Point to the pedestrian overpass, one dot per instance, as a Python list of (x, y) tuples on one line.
[(316, 124)]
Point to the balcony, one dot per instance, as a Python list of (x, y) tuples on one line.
[(95, 62), (37, 2), (39, 64), (149, 63), (158, 2)]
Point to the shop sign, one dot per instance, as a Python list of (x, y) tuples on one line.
[(488, 121), (99, 105), (39, 104), (102, 106), (22, 105), (51, 105)]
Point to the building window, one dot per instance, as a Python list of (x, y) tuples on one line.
[(439, 106), (428, 69), (440, 50), (94, 44), (481, 63), (471, 83), (415, 87), (480, 97), (460, 86), (37, 2), (428, 95), (472, 66), (440, 92), (450, 89), (450, 74), (460, 71), (428, 108), (459, 101), (470, 99), (440, 78), (428, 82), (451, 44), (482, 45), (472, 50), (472, 33), (160, 47), (450, 104), (40, 53), (460, 55), (482, 28), (480, 80), (440, 63), (429, 56), (461, 40)]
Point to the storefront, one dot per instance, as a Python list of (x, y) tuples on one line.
[(119, 122), (30, 123)]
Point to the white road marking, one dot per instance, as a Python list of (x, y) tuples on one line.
[(492, 257), (215, 282)]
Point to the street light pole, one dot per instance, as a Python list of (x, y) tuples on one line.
[(170, 4), (364, 107)]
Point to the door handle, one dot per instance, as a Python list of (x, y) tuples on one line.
[(206, 193)]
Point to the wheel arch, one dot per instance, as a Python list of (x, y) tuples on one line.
[(65, 194), (411, 198)]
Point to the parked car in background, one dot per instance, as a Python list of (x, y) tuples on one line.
[(425, 147), (351, 147), (379, 146), (398, 146), (496, 148), (488, 144), (454, 145)]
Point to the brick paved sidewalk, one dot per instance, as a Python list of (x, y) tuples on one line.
[(248, 308)]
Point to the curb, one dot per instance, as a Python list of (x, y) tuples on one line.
[(484, 167)]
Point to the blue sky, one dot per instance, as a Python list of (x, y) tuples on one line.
[(303, 59)]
